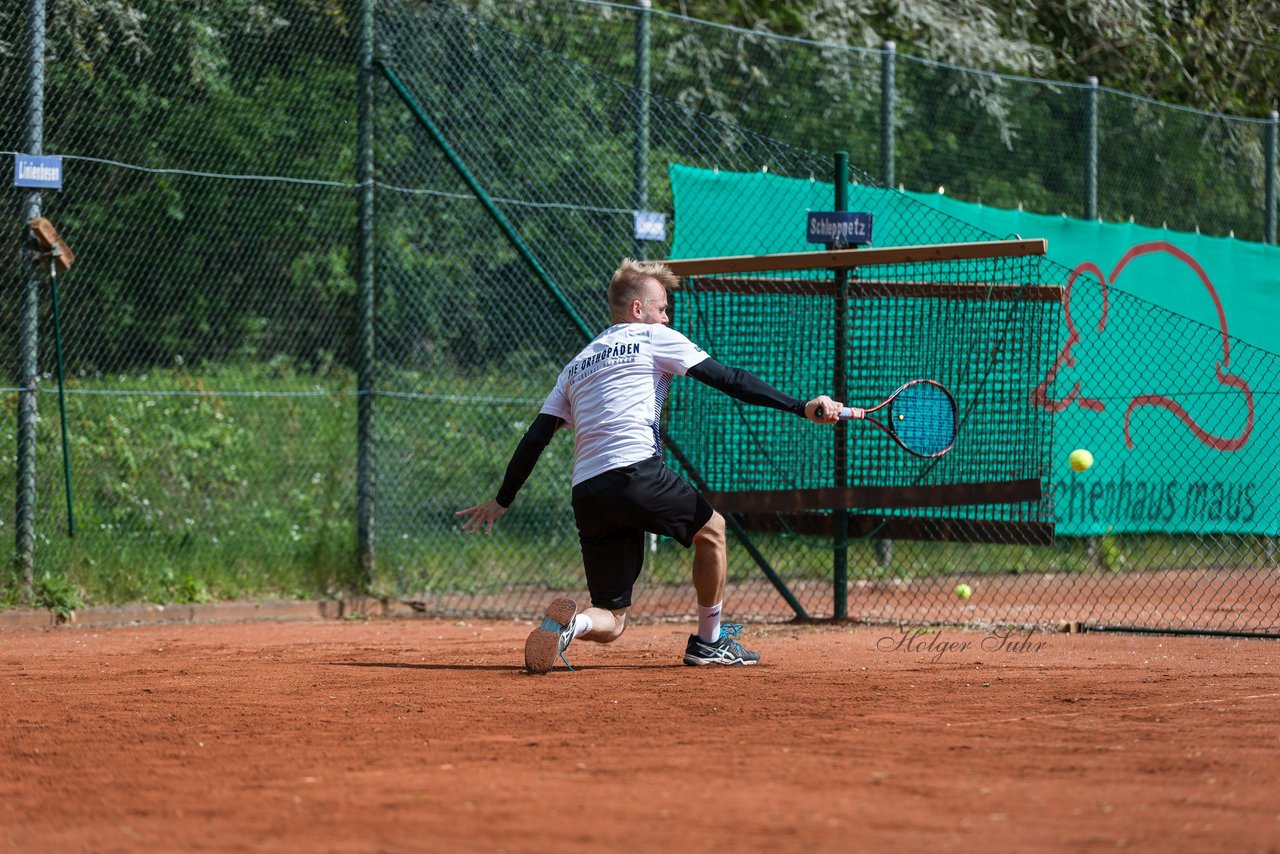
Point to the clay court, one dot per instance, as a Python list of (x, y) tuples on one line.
[(420, 734)]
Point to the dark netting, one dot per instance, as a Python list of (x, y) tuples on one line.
[(978, 326), (984, 328)]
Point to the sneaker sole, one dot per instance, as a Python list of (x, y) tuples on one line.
[(694, 661), (543, 646)]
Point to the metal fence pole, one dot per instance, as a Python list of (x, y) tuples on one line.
[(1090, 206), (888, 96), (888, 91), (640, 157), (839, 387), (1091, 149), (29, 323), (1269, 211), (365, 354)]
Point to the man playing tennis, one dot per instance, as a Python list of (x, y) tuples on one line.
[(611, 396)]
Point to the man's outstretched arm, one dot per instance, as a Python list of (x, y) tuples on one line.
[(743, 385), (525, 457)]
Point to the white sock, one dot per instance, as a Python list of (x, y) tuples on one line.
[(581, 625), (709, 622)]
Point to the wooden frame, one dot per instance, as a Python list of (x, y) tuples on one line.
[(871, 289), (929, 529), (849, 259), (870, 497), (792, 509)]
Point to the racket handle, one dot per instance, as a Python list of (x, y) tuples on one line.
[(852, 413)]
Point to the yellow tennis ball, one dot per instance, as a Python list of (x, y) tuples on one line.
[(1080, 459), (964, 591)]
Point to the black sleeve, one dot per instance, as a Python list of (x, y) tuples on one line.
[(526, 456), (745, 386)]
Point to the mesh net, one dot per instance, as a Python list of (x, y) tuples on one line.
[(983, 327)]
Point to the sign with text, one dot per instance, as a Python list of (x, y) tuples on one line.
[(36, 172), (650, 225), (844, 228)]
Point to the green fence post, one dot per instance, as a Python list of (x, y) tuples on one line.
[(888, 92), (29, 322), (1090, 206), (366, 479), (1091, 149), (840, 388), (1269, 215)]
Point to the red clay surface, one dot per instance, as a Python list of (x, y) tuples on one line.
[(421, 734)]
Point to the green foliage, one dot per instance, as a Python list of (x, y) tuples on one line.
[(181, 262), (992, 140), (57, 594), (1110, 554), (189, 493), (188, 490), (1221, 56)]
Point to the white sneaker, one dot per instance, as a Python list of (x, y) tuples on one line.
[(549, 640)]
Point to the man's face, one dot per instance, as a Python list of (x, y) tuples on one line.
[(653, 308)]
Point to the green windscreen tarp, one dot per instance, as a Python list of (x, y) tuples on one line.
[(1167, 369)]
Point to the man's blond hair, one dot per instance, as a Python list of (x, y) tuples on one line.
[(628, 282)]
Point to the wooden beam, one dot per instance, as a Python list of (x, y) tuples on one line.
[(848, 259), (870, 497), (871, 289), (929, 529)]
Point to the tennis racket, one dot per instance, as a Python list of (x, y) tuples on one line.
[(920, 416)]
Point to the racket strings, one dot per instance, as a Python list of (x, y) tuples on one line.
[(923, 417)]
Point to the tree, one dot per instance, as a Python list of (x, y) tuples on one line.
[(191, 246)]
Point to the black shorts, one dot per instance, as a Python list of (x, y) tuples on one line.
[(613, 511)]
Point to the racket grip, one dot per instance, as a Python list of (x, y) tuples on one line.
[(852, 413)]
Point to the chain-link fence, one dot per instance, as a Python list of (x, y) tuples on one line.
[(207, 320), (210, 319), (999, 139)]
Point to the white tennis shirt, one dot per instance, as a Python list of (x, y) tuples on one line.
[(611, 394)]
